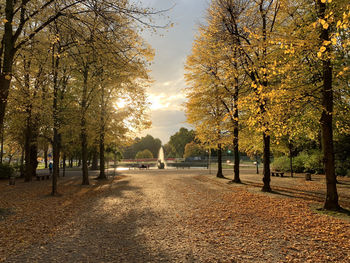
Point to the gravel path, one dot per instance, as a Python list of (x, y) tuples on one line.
[(137, 219), (182, 216)]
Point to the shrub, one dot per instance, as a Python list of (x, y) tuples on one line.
[(6, 170), (281, 164), (145, 154), (314, 163), (342, 167), (299, 162)]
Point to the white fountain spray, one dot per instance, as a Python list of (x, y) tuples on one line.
[(161, 160)]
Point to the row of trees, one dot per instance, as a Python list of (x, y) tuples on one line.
[(174, 148), (72, 77), (268, 71)]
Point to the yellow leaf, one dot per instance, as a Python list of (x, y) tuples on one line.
[(7, 77), (5, 20), (322, 49), (319, 54), (325, 25), (323, 1)]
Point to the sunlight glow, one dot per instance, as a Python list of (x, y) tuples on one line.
[(121, 103)]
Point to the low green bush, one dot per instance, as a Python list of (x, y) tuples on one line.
[(310, 162), (314, 163), (281, 164), (6, 171), (299, 162)]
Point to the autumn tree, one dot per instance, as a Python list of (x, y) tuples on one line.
[(179, 140), (145, 154), (17, 15)]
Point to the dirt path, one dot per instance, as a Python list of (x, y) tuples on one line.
[(182, 216)]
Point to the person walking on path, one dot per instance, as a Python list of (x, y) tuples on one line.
[(50, 167)]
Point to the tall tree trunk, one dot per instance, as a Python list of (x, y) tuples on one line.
[(266, 171), (235, 134), (102, 135), (64, 164), (219, 173), (331, 202), (236, 178), (34, 156), (291, 158), (55, 139), (2, 145), (94, 165), (45, 157), (21, 168), (4, 91), (27, 150), (102, 156), (84, 152), (31, 153), (7, 52), (266, 137), (56, 161), (83, 134)]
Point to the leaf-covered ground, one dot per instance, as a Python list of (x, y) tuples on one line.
[(30, 214), (172, 216)]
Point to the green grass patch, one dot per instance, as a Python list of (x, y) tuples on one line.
[(343, 214)]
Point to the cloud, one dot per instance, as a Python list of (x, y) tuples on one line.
[(166, 102), (171, 50), (166, 123)]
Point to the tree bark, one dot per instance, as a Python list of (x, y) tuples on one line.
[(235, 134), (266, 171), (102, 135), (45, 157), (56, 137), (84, 152), (64, 164), (8, 55), (56, 161), (2, 145), (102, 156), (219, 173), (83, 134), (21, 169), (27, 150), (4, 91), (331, 202), (291, 158), (94, 165)]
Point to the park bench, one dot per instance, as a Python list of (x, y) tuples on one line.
[(42, 177), (143, 166), (277, 174)]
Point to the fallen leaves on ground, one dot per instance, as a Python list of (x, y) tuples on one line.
[(263, 227), (35, 215)]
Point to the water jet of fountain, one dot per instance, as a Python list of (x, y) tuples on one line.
[(161, 160)]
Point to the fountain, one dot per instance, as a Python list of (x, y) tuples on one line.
[(161, 160)]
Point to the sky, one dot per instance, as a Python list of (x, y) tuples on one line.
[(171, 50)]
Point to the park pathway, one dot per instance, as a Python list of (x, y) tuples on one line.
[(187, 216), (137, 219)]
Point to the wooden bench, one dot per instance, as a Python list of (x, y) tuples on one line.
[(277, 174), (42, 177), (143, 166)]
